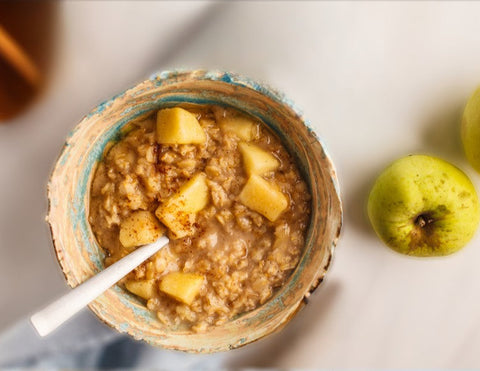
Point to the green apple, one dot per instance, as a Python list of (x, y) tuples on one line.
[(471, 130), (423, 206)]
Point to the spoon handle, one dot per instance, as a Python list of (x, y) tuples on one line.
[(52, 316)]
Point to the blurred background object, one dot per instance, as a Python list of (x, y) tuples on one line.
[(26, 30)]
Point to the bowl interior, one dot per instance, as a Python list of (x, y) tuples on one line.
[(81, 257)]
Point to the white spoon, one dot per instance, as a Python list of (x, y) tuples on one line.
[(55, 314)]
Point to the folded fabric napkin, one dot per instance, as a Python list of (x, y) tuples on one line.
[(85, 342)]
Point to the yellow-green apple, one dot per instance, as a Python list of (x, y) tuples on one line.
[(471, 130), (424, 206)]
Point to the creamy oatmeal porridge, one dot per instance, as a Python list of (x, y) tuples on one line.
[(227, 194)]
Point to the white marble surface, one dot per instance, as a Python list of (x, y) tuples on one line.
[(377, 80)]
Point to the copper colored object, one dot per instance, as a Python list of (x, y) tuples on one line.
[(18, 59), (26, 30), (19, 77)]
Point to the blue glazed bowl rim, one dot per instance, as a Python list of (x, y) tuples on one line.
[(213, 75)]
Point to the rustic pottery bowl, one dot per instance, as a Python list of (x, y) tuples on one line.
[(80, 256)]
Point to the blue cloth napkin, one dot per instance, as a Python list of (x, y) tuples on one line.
[(84, 342)]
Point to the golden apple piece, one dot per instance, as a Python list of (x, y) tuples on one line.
[(178, 126), (243, 127), (183, 287), (256, 160), (140, 228), (470, 130), (145, 288), (178, 212), (263, 197), (424, 206)]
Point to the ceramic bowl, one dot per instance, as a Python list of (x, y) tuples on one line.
[(80, 256)]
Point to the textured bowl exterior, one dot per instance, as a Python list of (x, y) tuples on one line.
[(80, 256)]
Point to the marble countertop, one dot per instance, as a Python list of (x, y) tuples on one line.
[(377, 80)]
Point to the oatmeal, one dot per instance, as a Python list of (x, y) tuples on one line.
[(227, 194)]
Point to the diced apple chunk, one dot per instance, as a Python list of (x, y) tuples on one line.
[(256, 160), (145, 288), (263, 197), (140, 228), (178, 126), (241, 126), (178, 212), (183, 287), (150, 270)]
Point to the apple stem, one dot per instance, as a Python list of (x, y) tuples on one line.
[(422, 220)]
